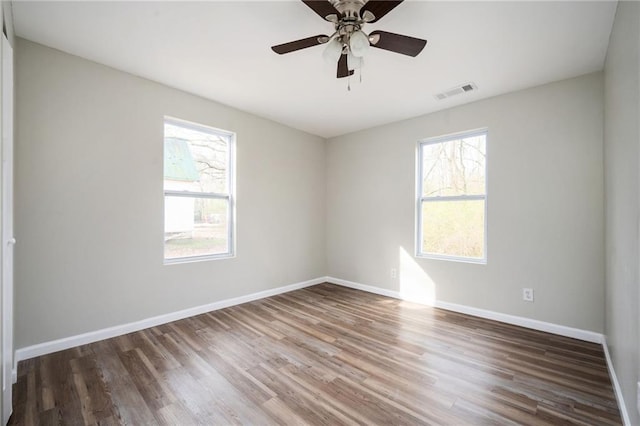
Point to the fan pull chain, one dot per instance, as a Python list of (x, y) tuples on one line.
[(349, 83)]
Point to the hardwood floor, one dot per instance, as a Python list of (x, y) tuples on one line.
[(322, 355)]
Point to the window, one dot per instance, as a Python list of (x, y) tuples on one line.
[(198, 192), (451, 207)]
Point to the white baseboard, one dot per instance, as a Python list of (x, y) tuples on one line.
[(561, 330), (616, 385), (118, 330), (106, 333), (548, 327), (94, 336)]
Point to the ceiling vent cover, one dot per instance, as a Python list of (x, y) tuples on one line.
[(462, 88)]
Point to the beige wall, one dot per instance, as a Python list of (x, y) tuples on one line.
[(545, 206), (90, 202), (622, 182)]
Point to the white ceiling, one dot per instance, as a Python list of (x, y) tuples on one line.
[(220, 50)]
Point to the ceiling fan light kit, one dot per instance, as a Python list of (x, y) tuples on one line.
[(333, 51), (349, 43), (358, 43)]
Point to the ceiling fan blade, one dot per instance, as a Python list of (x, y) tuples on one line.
[(398, 43), (379, 8), (292, 46), (343, 68), (322, 7)]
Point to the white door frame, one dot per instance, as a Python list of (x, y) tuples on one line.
[(7, 239)]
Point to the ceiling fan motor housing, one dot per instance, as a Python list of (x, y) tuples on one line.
[(349, 9), (349, 21)]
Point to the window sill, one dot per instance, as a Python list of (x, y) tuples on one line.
[(192, 259), (452, 258)]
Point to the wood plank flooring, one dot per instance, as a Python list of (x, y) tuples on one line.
[(321, 355)]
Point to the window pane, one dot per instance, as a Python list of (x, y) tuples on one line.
[(195, 226), (455, 167), (453, 228), (195, 160)]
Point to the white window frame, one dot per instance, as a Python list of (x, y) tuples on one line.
[(420, 199), (230, 196)]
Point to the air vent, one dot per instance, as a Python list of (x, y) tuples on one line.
[(463, 88)]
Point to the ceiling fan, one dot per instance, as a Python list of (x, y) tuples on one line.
[(349, 43)]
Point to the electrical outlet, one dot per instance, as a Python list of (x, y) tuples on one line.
[(527, 294), (394, 273)]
